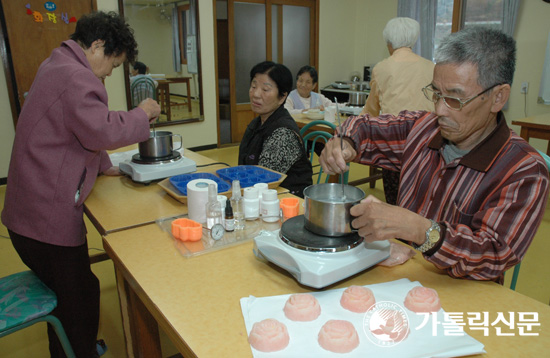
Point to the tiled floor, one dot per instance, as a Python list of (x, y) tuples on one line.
[(32, 342)]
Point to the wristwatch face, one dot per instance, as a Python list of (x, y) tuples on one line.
[(217, 231), (433, 236)]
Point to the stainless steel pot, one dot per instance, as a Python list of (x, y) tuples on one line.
[(326, 213), (363, 86), (158, 145), (357, 98)]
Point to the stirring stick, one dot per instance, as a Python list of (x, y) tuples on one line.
[(341, 147), (154, 131)]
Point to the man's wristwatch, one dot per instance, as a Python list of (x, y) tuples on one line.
[(433, 234)]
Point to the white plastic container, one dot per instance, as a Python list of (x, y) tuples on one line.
[(261, 188), (251, 203), (270, 206)]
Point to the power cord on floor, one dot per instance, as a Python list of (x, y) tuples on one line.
[(5, 237), (96, 249)]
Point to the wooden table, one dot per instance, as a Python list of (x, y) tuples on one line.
[(195, 301), (374, 172), (535, 127), (118, 203), (163, 94)]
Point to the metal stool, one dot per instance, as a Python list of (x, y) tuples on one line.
[(24, 301)]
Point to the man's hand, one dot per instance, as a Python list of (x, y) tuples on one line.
[(333, 159), (151, 107), (378, 221)]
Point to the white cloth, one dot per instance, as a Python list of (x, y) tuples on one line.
[(290, 106)]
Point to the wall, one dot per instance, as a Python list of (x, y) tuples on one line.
[(350, 37), (531, 36)]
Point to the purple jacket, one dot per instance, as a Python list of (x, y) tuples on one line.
[(59, 150)]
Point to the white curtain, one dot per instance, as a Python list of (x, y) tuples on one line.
[(544, 91), (176, 58), (509, 16), (423, 11)]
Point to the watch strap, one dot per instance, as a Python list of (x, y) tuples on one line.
[(430, 243)]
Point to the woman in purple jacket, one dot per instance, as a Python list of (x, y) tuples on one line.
[(62, 135)]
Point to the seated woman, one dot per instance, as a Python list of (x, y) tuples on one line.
[(302, 98), (273, 139), (140, 70)]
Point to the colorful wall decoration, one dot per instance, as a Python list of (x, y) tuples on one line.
[(49, 15)]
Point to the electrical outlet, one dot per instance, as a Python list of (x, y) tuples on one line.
[(524, 87)]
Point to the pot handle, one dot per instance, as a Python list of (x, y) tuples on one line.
[(181, 141), (351, 226)]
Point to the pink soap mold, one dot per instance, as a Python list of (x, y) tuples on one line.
[(338, 336), (357, 299), (302, 307), (422, 299), (268, 335)]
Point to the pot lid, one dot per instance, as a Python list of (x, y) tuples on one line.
[(294, 233)]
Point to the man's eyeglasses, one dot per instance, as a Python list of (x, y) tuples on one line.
[(453, 103)]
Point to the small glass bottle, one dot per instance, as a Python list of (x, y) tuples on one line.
[(270, 206), (229, 219), (213, 207), (237, 205)]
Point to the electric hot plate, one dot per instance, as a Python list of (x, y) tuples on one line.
[(293, 233), (314, 260)]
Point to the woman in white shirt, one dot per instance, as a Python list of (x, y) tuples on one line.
[(302, 98)]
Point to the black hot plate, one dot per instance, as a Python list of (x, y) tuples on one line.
[(294, 233)]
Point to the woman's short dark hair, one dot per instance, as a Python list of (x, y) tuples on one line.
[(109, 27), (280, 74), (140, 67), (309, 69)]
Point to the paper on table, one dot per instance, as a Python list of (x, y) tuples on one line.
[(303, 335)]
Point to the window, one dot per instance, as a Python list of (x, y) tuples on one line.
[(453, 15), (183, 11)]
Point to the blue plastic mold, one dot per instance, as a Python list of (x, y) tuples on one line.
[(248, 175), (180, 181)]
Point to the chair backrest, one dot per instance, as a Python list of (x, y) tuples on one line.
[(305, 128), (142, 88), (545, 157), (515, 274), (314, 138)]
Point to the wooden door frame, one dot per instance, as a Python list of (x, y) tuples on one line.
[(7, 64), (314, 49)]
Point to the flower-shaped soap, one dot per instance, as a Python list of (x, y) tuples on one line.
[(268, 335), (338, 336), (357, 299), (422, 299), (302, 307)]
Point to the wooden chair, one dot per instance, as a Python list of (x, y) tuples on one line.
[(319, 137), (24, 301), (515, 274), (374, 172)]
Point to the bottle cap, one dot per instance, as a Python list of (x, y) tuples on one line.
[(251, 193), (212, 192), (269, 194), (236, 189), (228, 208)]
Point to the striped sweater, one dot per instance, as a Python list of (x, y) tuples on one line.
[(489, 202)]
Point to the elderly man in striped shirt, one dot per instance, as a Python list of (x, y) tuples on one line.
[(472, 192)]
